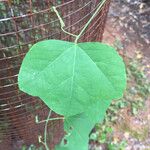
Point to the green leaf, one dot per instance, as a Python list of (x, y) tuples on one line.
[(75, 80), (70, 77), (111, 69), (78, 127)]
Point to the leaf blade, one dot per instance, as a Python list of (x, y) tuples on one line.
[(67, 76), (111, 66)]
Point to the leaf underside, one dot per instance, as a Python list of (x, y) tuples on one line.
[(74, 80)]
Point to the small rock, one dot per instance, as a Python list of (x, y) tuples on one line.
[(126, 135)]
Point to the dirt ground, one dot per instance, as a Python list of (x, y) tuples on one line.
[(128, 28), (129, 20)]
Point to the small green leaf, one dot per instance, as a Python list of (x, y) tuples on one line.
[(93, 136)]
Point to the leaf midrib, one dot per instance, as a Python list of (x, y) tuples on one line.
[(73, 72)]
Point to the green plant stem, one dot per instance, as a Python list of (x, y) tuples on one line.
[(45, 132), (86, 25), (93, 16), (62, 23), (51, 119)]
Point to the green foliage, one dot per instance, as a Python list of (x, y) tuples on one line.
[(104, 134), (31, 147), (135, 72), (75, 80), (117, 146)]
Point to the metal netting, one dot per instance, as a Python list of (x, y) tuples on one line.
[(23, 23)]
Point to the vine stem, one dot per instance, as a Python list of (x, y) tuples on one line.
[(62, 23), (87, 24), (77, 37), (45, 129), (45, 132)]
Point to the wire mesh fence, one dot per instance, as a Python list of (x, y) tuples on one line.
[(23, 23)]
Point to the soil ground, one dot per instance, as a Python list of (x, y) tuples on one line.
[(128, 28)]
